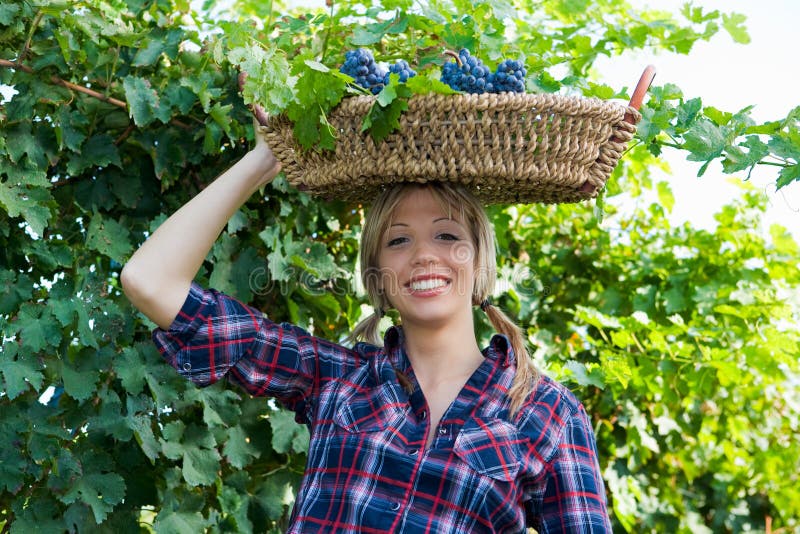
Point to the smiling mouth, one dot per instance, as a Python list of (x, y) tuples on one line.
[(427, 285)]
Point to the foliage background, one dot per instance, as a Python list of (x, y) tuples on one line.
[(682, 343)]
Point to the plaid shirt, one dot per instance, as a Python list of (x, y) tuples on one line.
[(368, 470)]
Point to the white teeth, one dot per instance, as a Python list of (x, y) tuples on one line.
[(431, 283)]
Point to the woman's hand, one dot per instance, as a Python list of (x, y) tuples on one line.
[(263, 153)]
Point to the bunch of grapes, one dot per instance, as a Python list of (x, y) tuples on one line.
[(510, 77), (402, 69), (361, 66), (468, 74)]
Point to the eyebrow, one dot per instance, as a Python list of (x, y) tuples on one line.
[(435, 220)]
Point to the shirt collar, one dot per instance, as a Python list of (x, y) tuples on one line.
[(393, 346), (499, 348)]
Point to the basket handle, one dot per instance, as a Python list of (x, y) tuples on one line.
[(645, 81)]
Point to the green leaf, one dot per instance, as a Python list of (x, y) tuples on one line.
[(583, 376), (287, 435), (195, 447), (200, 466), (783, 242), (98, 151), (423, 85), (222, 116), (734, 25), (79, 383), (788, 175), (269, 82), (311, 257), (20, 141), (179, 522), (317, 93), (220, 406), (665, 197), (383, 120), (69, 129), (19, 372), (316, 65), (14, 289), (149, 53), (370, 34), (616, 367), (234, 268), (718, 117), (705, 141), (143, 101), (7, 13), (737, 159), (546, 83), (129, 367), (109, 237), (238, 449), (37, 328), (100, 491)]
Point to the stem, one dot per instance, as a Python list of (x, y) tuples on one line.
[(268, 26), (775, 164), (124, 134), (454, 55), (36, 20), (328, 32), (671, 145), (69, 85)]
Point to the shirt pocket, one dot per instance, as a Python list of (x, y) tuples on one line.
[(369, 410), (490, 447)]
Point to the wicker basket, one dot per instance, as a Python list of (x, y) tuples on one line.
[(507, 148)]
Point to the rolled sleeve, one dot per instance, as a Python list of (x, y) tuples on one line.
[(574, 498), (210, 334), (216, 336)]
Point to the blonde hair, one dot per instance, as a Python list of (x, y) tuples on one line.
[(461, 204)]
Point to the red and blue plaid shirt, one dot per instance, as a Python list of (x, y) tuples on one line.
[(368, 469)]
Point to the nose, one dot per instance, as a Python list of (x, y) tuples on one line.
[(423, 254)]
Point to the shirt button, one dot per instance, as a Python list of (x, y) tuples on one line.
[(395, 506), (413, 452), (187, 366), (423, 415), (442, 430)]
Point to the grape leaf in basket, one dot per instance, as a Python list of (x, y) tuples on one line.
[(423, 85), (318, 91), (383, 117)]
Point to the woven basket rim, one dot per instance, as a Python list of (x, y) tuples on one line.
[(506, 148)]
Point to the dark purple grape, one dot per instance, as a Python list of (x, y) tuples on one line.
[(510, 77), (402, 69), (365, 72), (470, 76)]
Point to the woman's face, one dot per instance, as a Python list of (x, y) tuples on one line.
[(427, 262)]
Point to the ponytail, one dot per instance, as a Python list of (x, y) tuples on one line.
[(367, 329), (526, 375)]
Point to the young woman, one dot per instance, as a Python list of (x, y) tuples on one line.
[(421, 431)]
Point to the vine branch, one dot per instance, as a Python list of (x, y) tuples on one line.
[(34, 24), (69, 85)]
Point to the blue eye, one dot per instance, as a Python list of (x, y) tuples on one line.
[(396, 241), (448, 237)]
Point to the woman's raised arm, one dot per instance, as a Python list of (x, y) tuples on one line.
[(158, 275)]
